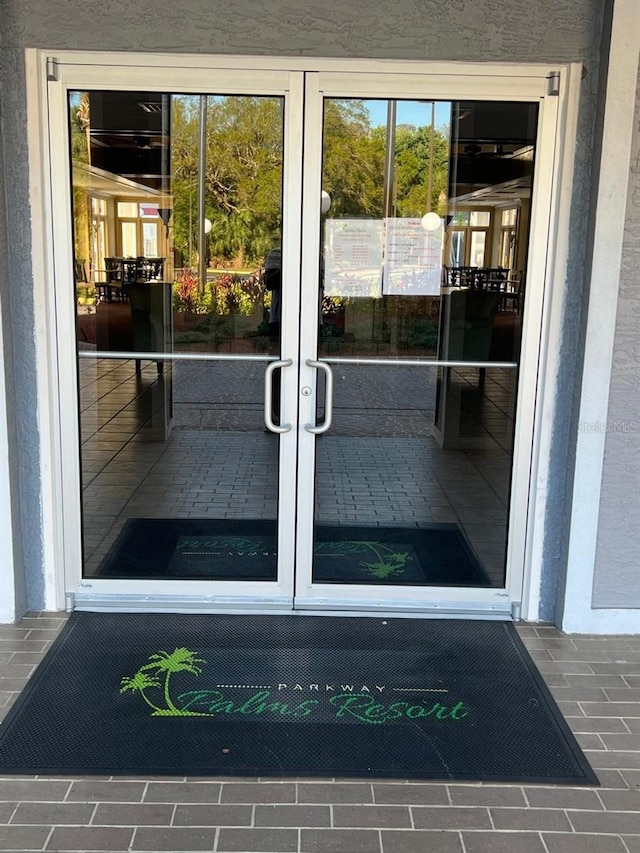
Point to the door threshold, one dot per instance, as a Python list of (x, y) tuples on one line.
[(451, 609), (277, 607), (166, 604)]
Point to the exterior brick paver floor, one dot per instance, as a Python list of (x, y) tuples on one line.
[(596, 681)]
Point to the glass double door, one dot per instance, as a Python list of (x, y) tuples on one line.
[(297, 318)]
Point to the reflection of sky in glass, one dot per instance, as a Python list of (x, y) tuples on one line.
[(417, 113)]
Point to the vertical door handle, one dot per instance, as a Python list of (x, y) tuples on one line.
[(268, 395), (325, 426)]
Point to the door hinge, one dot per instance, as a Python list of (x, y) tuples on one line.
[(52, 68), (516, 610), (70, 602), (553, 83)]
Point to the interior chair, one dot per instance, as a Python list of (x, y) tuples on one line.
[(151, 318), (470, 317), (512, 295)]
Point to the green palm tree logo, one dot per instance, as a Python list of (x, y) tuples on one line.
[(387, 564), (163, 665), (140, 681)]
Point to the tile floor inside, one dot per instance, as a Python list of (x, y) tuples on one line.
[(379, 465)]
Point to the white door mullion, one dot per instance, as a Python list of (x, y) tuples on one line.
[(290, 330), (310, 271)]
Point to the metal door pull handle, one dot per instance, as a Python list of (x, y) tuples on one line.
[(268, 396), (325, 426)]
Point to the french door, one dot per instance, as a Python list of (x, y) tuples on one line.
[(305, 400)]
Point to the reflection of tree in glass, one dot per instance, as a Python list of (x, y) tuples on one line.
[(353, 160), (79, 126), (243, 181), (412, 169), (244, 171), (353, 163)]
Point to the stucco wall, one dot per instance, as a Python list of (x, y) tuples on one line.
[(469, 30), (13, 597), (617, 570)]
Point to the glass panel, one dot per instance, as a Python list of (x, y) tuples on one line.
[(150, 239), (507, 248), (480, 217), (127, 210), (509, 217), (457, 241), (129, 231), (460, 217), (98, 249), (235, 309), (148, 210), (99, 206), (478, 242), (412, 480), (179, 476)]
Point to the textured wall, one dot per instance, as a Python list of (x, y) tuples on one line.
[(469, 30), (7, 364), (525, 30), (569, 388), (617, 570)]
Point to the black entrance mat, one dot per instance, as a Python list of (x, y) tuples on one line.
[(290, 695), (226, 549)]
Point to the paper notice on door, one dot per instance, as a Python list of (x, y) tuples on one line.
[(353, 257), (413, 257)]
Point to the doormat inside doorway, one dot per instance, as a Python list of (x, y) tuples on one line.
[(189, 695), (230, 549)]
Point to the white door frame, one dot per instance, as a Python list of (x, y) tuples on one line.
[(549, 236)]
